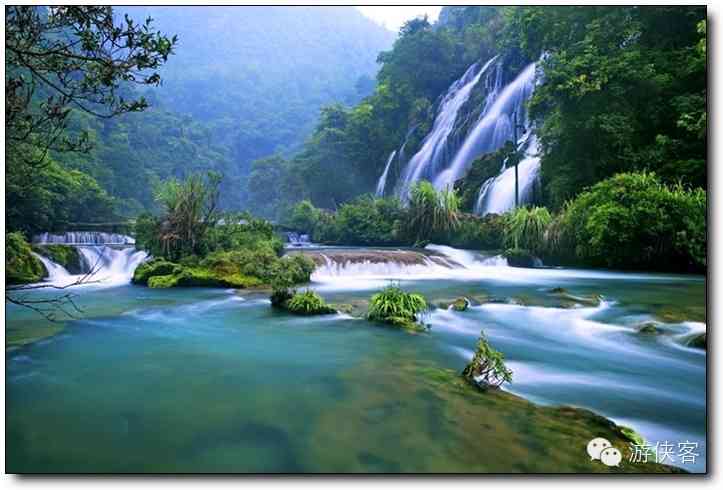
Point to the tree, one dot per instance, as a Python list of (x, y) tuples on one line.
[(190, 208), (67, 57), (60, 59)]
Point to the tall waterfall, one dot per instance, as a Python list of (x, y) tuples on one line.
[(495, 126), (497, 195), (383, 179), (443, 161), (435, 150)]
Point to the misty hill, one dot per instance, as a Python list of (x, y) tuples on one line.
[(259, 75)]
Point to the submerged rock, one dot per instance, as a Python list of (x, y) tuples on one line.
[(699, 341), (569, 300), (517, 257), (460, 304), (649, 328)]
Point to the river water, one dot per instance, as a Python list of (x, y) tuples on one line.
[(203, 380)]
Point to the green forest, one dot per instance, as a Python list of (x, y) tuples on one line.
[(620, 111)]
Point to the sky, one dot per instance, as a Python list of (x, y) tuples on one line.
[(394, 16)]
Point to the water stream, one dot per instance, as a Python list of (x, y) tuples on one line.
[(213, 380)]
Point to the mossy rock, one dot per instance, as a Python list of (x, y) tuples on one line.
[(517, 257), (21, 266), (681, 313), (167, 281), (699, 341), (407, 324), (568, 300), (461, 304), (552, 438), (64, 255), (155, 267), (649, 328)]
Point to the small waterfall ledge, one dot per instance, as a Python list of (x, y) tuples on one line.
[(107, 259)]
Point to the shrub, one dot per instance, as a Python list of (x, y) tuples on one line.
[(156, 267), (487, 368), (308, 303), (482, 233), (304, 216), (21, 266), (633, 220), (369, 221), (431, 212), (525, 229), (394, 305)]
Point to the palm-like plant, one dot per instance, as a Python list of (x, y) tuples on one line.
[(432, 212), (189, 209), (525, 228)]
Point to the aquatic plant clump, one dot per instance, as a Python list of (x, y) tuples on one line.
[(397, 307), (487, 369), (307, 303)]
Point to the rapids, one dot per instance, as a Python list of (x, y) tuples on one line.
[(214, 380)]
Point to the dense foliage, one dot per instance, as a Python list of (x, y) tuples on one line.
[(21, 266), (61, 62), (624, 89), (525, 228), (633, 220)]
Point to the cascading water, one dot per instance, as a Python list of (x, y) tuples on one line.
[(383, 179), (84, 238), (497, 195), (443, 162), (57, 274), (110, 266), (435, 151), (494, 128), (106, 258)]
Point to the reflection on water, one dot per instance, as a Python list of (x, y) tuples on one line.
[(207, 380)]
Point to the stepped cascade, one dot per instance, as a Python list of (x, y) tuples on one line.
[(107, 258)]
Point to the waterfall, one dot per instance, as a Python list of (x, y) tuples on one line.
[(494, 127), (57, 274), (84, 238), (110, 266), (435, 151), (383, 179), (497, 195)]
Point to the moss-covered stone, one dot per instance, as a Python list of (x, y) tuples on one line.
[(649, 328), (567, 299), (65, 255), (517, 257), (167, 281), (169, 274), (699, 341), (460, 304), (21, 266), (155, 267)]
